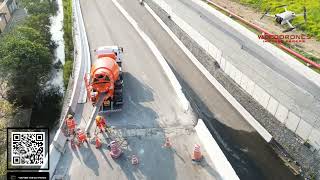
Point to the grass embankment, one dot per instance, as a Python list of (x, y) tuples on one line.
[(67, 27), (312, 27), (262, 6)]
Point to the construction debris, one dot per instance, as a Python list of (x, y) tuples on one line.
[(134, 160)]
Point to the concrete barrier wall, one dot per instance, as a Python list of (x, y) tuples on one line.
[(260, 104), (307, 129), (82, 63)]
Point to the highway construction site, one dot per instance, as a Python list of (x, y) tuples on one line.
[(157, 131)]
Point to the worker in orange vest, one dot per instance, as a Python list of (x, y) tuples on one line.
[(82, 137), (71, 124), (101, 123)]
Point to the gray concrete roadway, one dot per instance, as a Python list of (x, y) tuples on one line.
[(293, 90), (236, 46), (249, 154), (151, 110)]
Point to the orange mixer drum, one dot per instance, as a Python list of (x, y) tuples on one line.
[(104, 72)]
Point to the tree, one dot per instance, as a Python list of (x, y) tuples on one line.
[(27, 62), (36, 7), (41, 23)]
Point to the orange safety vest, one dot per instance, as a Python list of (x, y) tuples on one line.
[(81, 136)]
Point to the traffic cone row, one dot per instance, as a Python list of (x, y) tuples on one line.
[(116, 151)]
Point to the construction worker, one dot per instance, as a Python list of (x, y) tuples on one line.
[(81, 136), (70, 124), (101, 123)]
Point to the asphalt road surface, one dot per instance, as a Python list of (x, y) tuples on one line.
[(249, 154), (151, 111)]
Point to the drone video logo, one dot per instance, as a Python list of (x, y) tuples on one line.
[(279, 38)]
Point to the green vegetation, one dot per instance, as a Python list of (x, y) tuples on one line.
[(6, 112), (259, 4), (26, 54), (67, 27), (28, 60), (312, 27)]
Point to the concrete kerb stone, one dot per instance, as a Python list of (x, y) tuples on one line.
[(292, 121), (216, 155), (261, 96), (247, 116), (314, 139), (272, 105), (304, 129), (172, 78), (281, 113), (301, 154)]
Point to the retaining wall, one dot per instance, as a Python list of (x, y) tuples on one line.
[(82, 63), (279, 120)]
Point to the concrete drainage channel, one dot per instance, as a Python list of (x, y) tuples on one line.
[(82, 63), (188, 39)]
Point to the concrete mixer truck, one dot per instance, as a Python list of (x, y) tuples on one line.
[(105, 82)]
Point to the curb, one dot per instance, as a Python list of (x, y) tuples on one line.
[(172, 78), (244, 113), (289, 60), (216, 155), (57, 146)]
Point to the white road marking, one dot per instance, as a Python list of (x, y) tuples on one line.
[(244, 113), (173, 80)]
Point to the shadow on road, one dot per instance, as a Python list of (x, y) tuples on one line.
[(250, 156)]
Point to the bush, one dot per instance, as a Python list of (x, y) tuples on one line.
[(28, 60), (67, 70), (67, 27)]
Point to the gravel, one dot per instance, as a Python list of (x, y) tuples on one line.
[(290, 142)]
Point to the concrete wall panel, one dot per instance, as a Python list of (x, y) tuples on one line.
[(304, 129), (282, 113), (272, 106), (292, 121), (315, 138)]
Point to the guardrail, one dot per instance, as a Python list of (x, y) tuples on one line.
[(82, 63), (312, 63)]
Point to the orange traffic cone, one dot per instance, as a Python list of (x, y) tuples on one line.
[(134, 160), (167, 144), (98, 142), (196, 156)]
